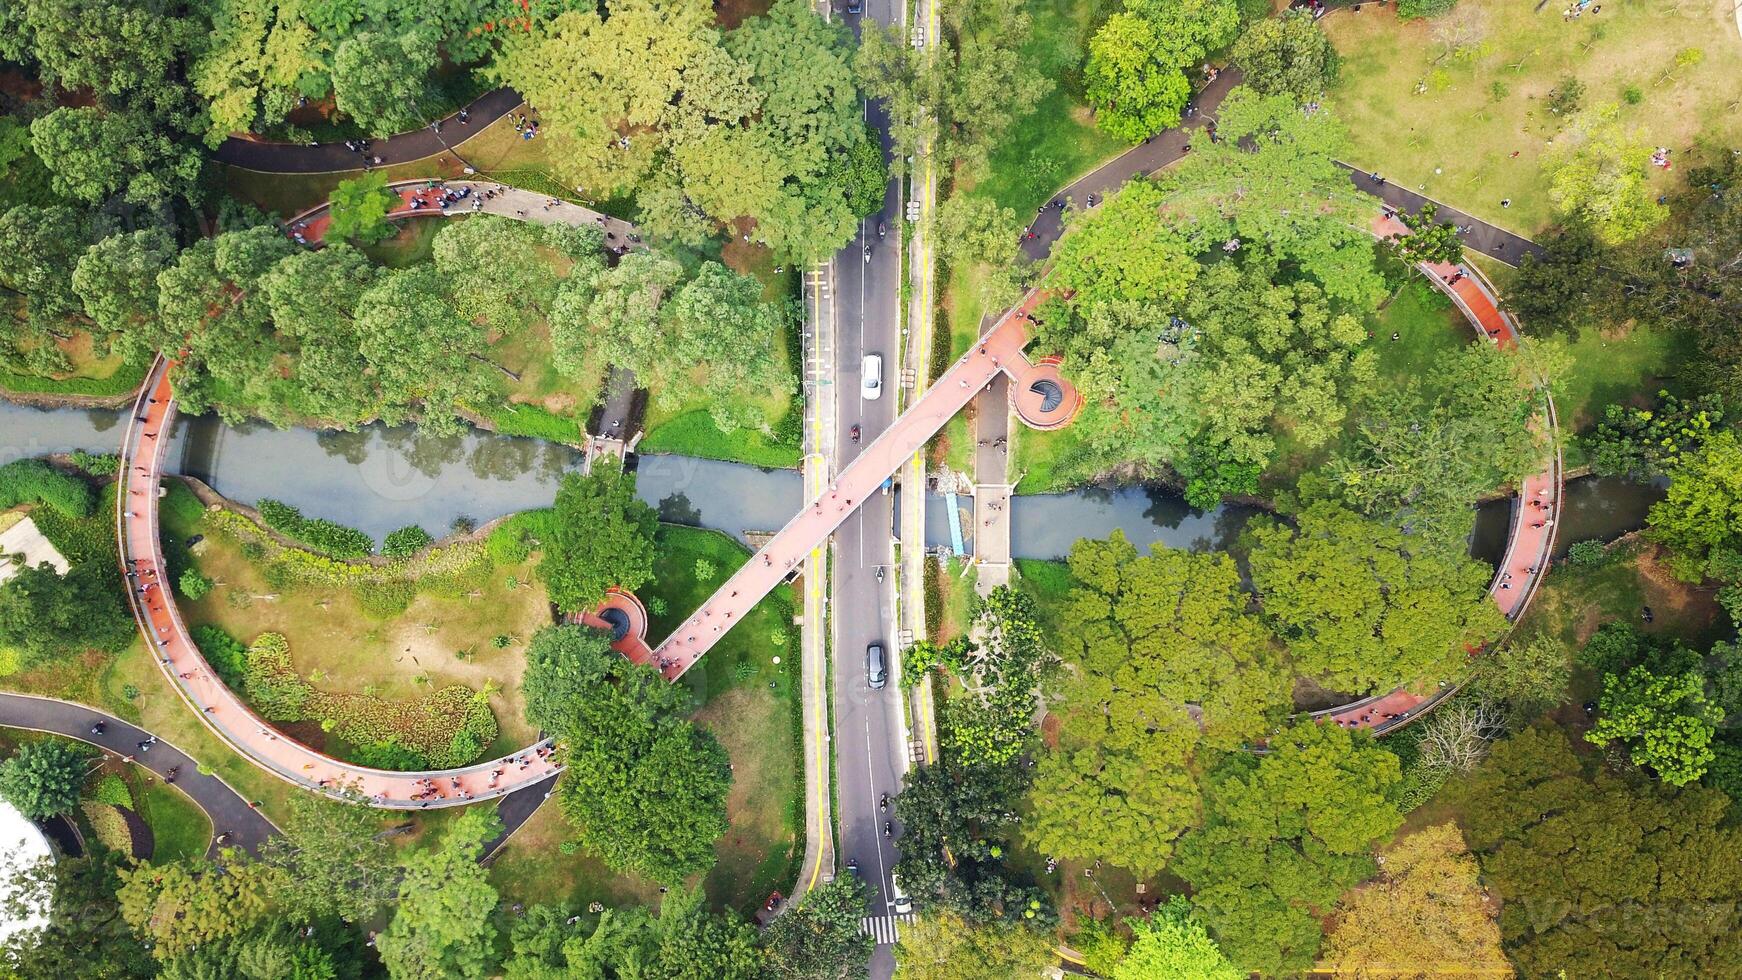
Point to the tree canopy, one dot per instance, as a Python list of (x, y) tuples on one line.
[(1574, 854), (1284, 834), (644, 788), (941, 946), (821, 937), (1165, 662), (442, 926), (44, 779), (601, 536), (1135, 76)]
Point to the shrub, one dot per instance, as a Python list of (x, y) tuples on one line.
[(405, 542), (97, 464), (270, 680), (112, 790), (194, 585), (227, 655), (389, 754), (1411, 9), (108, 826), (327, 537), (382, 600), (513, 540), (1566, 97), (657, 605), (1588, 554), (1632, 95), (704, 570), (26, 481)]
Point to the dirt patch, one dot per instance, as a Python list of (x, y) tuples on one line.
[(730, 13), (1684, 603)]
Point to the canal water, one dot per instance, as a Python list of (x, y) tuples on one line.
[(382, 478)]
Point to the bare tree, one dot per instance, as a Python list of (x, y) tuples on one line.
[(1456, 736)]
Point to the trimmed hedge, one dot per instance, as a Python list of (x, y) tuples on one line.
[(108, 826), (327, 537), (27, 481), (112, 789)]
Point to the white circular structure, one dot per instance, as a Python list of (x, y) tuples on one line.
[(22, 845)]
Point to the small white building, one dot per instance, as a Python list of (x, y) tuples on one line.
[(22, 845), (24, 538)]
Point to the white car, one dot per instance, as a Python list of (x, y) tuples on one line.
[(899, 903), (871, 377)]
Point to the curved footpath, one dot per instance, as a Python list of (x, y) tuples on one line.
[(244, 826), (320, 158), (142, 560), (426, 197)]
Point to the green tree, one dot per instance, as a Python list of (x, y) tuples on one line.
[(1645, 443), (1284, 834), (180, 906), (85, 936), (718, 319), (39, 248), (644, 788), (1135, 75), (1165, 661), (419, 346), (92, 154), (821, 938), (381, 79), (1363, 607), (1423, 453), (116, 282), (359, 209), (1429, 240), (1574, 853), (1664, 720), (334, 859), (128, 54), (1134, 88), (1287, 55), (442, 927), (44, 779), (1702, 512), (1530, 674), (210, 307), (1598, 174), (1171, 942), (602, 536), (684, 942), (313, 297), (192, 584), (46, 615), (1124, 249), (941, 946)]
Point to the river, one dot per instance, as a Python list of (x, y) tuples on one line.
[(382, 478)]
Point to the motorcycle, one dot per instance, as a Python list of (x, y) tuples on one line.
[(880, 582), (888, 829), (882, 229), (854, 432), (883, 803)]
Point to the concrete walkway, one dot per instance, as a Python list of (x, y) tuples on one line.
[(229, 812), (320, 158), (1000, 352), (424, 197), (223, 711), (1535, 513)]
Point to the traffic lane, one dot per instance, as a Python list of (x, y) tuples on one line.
[(868, 731)]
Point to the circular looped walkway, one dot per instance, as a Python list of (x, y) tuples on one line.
[(194, 680)]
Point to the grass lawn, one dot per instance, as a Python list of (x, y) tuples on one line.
[(1480, 124), (1573, 602), (414, 244), (692, 432), (964, 308), (530, 869), (438, 641), (1056, 141), (956, 584), (1626, 364), (180, 828), (1049, 584), (88, 373), (1040, 461)]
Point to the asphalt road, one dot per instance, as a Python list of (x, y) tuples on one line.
[(302, 158), (870, 753), (230, 814)]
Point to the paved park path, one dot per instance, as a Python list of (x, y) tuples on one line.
[(425, 197), (319, 158), (229, 812)]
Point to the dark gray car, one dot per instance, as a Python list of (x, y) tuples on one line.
[(876, 672)]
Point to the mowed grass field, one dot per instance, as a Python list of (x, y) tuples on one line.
[(1480, 130)]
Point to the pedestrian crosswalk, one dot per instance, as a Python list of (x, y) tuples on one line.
[(882, 928)]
